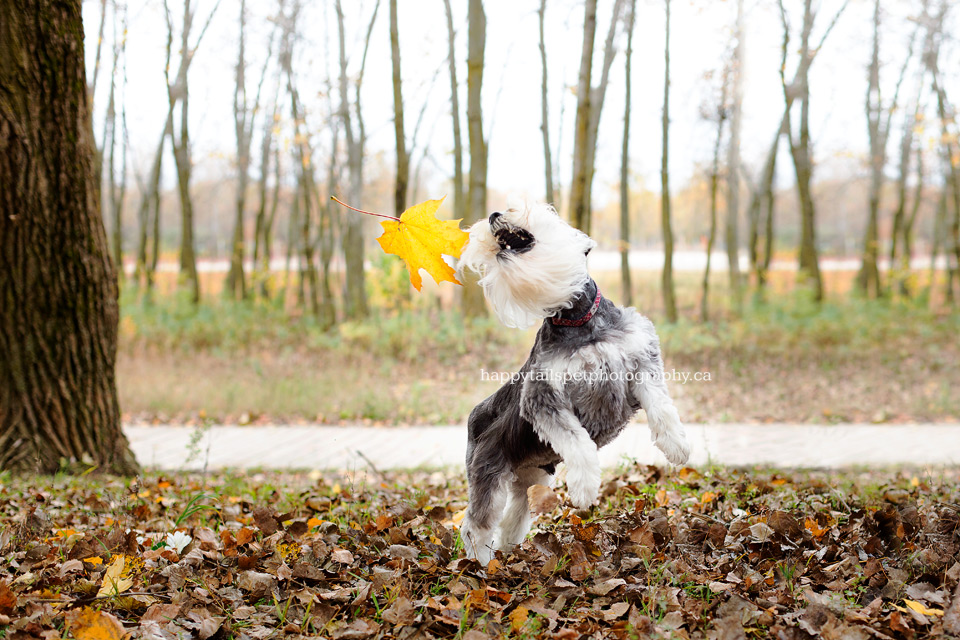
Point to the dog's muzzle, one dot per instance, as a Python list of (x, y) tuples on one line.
[(511, 238)]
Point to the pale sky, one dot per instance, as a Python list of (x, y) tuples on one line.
[(701, 32)]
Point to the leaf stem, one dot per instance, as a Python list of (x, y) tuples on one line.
[(369, 213)]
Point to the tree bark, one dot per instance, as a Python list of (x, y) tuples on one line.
[(58, 398), (624, 164), (669, 297), (473, 304), (403, 159), (578, 183), (544, 111)]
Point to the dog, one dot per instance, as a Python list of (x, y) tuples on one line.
[(592, 367)]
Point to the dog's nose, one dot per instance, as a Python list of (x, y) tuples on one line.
[(494, 216)]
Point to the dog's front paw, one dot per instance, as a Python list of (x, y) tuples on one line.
[(583, 486), (676, 449)]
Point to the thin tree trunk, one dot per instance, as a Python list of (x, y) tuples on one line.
[(58, 396), (403, 159), (714, 189), (355, 293), (149, 214), (459, 196), (110, 133), (761, 210), (544, 111), (669, 297), (236, 284), (907, 249), (578, 183), (732, 225), (261, 250), (472, 304), (624, 161), (803, 162), (596, 108)]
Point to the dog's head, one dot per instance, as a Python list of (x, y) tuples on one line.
[(530, 262)]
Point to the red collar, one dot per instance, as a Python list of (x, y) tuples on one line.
[(582, 320)]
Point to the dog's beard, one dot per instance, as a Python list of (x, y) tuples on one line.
[(538, 280)]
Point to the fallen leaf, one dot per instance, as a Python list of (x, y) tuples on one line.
[(919, 608), (90, 624), (113, 583), (518, 618), (542, 499)]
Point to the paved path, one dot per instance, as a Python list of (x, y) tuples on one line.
[(317, 447)]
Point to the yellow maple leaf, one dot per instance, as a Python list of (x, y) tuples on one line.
[(113, 583), (420, 240)]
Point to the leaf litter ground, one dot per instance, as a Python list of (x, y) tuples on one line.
[(710, 553)]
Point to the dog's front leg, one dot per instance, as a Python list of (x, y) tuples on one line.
[(556, 425), (666, 429)]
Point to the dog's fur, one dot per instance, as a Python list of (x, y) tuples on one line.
[(577, 390)]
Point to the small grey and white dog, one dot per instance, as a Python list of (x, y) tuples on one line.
[(592, 367)]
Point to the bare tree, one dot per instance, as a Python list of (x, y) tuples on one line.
[(459, 196), (58, 394), (721, 116), (761, 208), (731, 228), (178, 94), (403, 159), (244, 120), (581, 188), (544, 112), (935, 31), (800, 149), (879, 118), (473, 304), (669, 297), (624, 161), (115, 195), (581, 138), (265, 215), (902, 223), (596, 108), (355, 294)]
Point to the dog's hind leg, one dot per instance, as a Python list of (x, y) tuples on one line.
[(488, 478), (516, 519)]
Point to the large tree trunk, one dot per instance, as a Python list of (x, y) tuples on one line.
[(473, 304), (58, 397), (669, 297), (624, 166), (578, 183), (544, 112), (403, 159)]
